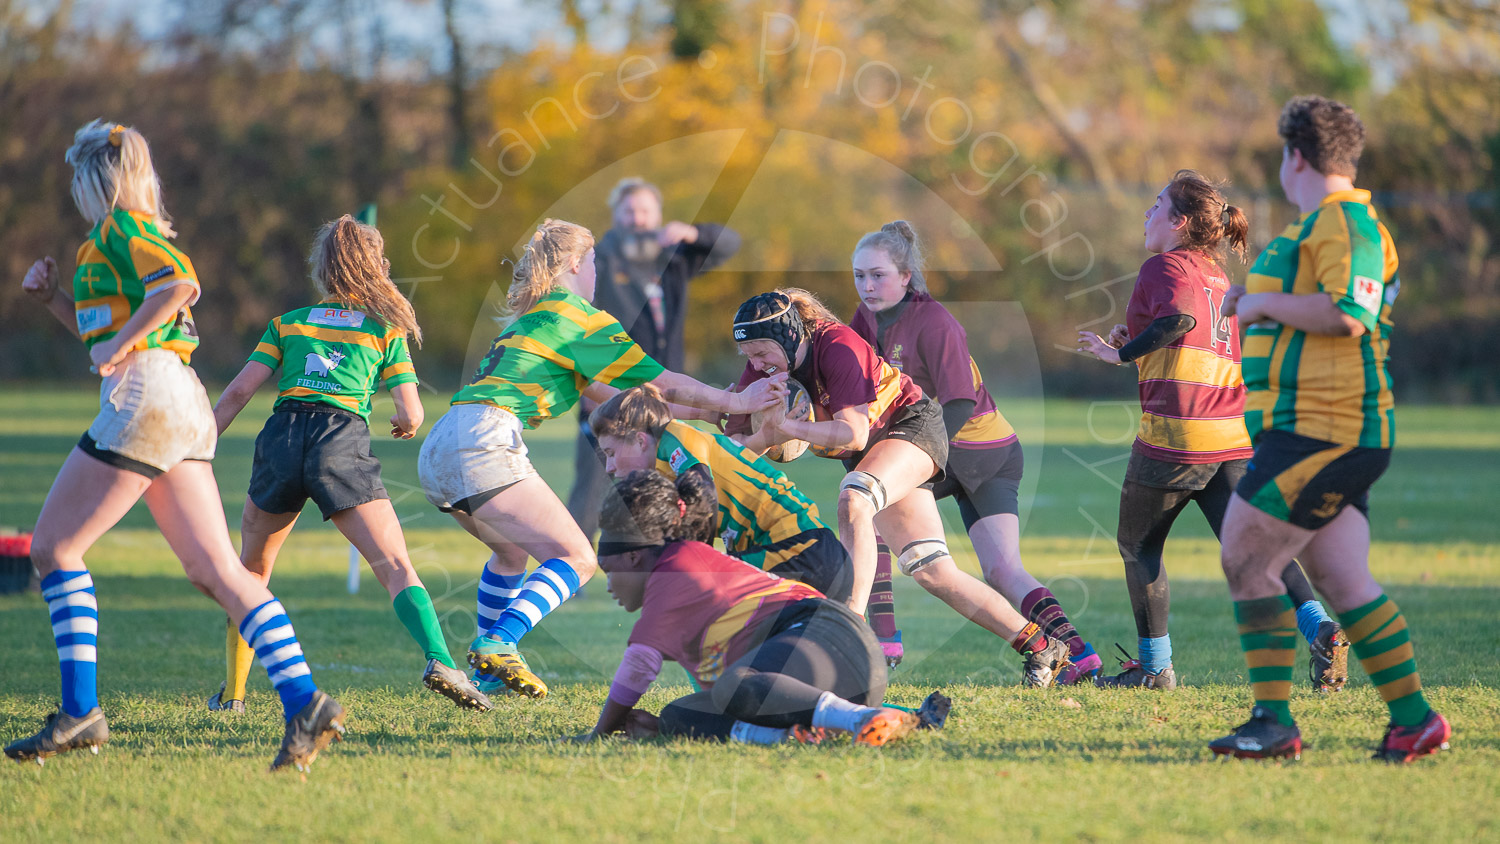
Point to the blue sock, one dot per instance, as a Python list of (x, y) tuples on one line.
[(269, 633), (1156, 654), (1309, 616), (549, 585), (496, 591), (75, 629)]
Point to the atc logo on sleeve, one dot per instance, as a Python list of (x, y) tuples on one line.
[(677, 460), (1367, 293), (336, 318)]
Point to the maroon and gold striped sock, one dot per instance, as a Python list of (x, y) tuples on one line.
[(1041, 606), (882, 606)]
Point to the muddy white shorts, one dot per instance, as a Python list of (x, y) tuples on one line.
[(153, 414), (472, 454)]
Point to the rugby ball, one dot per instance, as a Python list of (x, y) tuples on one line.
[(799, 407)]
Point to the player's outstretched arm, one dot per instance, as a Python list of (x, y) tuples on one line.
[(239, 392), (849, 428), (681, 389), (41, 283)]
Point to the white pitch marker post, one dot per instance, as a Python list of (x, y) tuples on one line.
[(354, 568)]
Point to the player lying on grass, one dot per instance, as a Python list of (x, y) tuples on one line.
[(1317, 310), (918, 336), (333, 357), (891, 439), (774, 659), (153, 439), (1192, 445), (763, 519), (473, 464)]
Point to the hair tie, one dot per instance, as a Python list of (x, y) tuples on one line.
[(116, 135), (681, 508)]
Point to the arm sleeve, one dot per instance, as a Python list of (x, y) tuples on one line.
[(847, 376), (715, 245), (605, 353), (678, 458), (268, 350), (161, 267), (1159, 333), (639, 667), (1172, 288), (956, 414), (396, 368), (1349, 261)]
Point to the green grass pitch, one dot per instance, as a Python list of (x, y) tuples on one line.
[(1011, 765)]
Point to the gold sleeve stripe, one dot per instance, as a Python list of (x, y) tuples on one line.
[(622, 364), (397, 369), (1190, 365), (268, 350)]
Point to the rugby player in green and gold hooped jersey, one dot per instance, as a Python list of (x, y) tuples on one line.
[(1317, 304), (333, 357), (763, 519), (153, 438), (474, 465)]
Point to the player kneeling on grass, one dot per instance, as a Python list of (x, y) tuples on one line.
[(762, 518), (774, 658), (892, 441), (474, 466), (153, 439), (1317, 305), (316, 444)]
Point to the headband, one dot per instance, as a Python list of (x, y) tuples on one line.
[(612, 546)]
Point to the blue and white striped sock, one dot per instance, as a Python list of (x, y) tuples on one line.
[(75, 628), (270, 635), (1309, 616), (549, 585), (495, 594), (496, 591)]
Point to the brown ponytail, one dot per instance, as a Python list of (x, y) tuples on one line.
[(348, 266), (637, 410), (899, 241), (1211, 220)]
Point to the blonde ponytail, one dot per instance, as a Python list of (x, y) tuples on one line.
[(810, 309), (112, 169), (554, 245)]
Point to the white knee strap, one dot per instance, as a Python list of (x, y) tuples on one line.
[(867, 485), (921, 554)]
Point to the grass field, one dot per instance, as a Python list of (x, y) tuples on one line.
[(1012, 764)]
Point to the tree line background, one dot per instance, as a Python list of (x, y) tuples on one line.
[(266, 119)]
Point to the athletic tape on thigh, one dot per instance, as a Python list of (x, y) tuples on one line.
[(920, 554), (867, 485)]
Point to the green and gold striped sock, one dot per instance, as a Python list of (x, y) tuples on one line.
[(1378, 633), (1268, 635)]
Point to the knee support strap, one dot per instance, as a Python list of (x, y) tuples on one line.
[(867, 485), (921, 554)]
